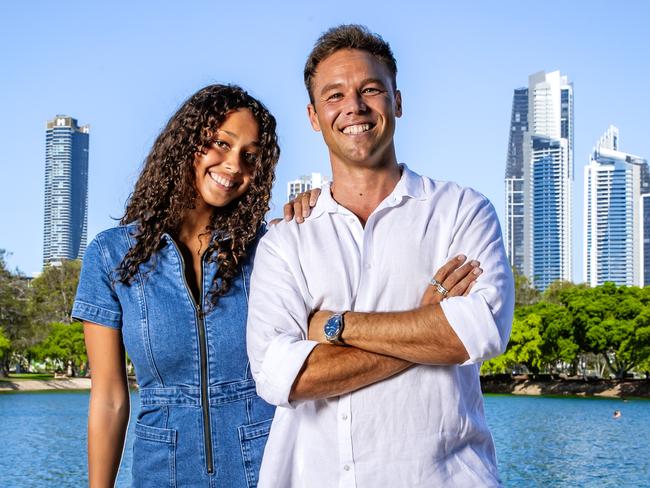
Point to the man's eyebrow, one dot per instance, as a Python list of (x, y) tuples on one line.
[(331, 86), (366, 81), (372, 80)]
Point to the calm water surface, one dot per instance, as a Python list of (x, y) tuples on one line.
[(541, 442)]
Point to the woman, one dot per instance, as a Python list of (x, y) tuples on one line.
[(170, 285)]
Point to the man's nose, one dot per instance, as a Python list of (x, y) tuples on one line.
[(356, 104)]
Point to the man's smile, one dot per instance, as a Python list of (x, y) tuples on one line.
[(357, 128)]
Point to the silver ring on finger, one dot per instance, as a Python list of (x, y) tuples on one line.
[(439, 288)]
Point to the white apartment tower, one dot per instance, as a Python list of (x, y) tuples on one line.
[(613, 244), (66, 190), (548, 179), (304, 183)]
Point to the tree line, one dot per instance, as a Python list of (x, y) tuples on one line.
[(569, 329), (35, 324), (578, 331)]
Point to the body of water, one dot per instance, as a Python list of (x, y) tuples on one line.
[(540, 441)]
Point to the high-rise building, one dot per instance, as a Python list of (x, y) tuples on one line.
[(514, 228), (66, 190), (548, 179), (613, 242), (304, 183), (645, 233), (645, 222)]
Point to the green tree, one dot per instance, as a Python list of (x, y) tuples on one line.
[(14, 314), (526, 342), (64, 345), (5, 346), (558, 347), (524, 348), (525, 293), (559, 292), (573, 325), (54, 291), (612, 322)]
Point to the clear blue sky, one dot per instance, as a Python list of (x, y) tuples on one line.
[(124, 67)]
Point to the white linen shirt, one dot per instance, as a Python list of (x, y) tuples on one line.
[(423, 427)]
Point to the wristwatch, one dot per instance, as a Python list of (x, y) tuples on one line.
[(333, 329)]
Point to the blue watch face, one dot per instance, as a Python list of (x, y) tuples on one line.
[(332, 326)]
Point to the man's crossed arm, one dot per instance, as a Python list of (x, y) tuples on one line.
[(291, 361), (380, 345)]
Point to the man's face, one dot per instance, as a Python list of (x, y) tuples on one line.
[(355, 105)]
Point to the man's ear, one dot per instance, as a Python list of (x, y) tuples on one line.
[(313, 117), (398, 103)]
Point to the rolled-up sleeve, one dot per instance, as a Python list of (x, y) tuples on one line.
[(96, 300), (483, 319), (277, 324)]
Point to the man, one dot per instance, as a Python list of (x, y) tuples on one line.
[(376, 386)]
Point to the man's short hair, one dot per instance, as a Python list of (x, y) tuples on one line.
[(348, 36)]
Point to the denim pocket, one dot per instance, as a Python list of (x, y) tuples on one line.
[(252, 438), (154, 457)]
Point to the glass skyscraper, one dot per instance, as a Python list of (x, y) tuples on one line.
[(514, 228), (548, 179), (613, 244), (66, 190), (645, 232), (645, 222)]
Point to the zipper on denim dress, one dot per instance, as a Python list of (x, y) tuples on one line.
[(203, 359)]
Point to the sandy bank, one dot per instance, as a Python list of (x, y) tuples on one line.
[(566, 387), (490, 384), (10, 384)]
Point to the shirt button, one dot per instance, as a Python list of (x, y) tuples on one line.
[(346, 467), (368, 265), (344, 416)]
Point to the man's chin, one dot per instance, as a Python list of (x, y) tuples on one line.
[(365, 158)]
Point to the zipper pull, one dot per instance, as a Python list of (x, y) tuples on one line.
[(200, 312)]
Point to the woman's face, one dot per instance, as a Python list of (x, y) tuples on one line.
[(224, 172)]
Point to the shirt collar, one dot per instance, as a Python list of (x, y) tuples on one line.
[(410, 185)]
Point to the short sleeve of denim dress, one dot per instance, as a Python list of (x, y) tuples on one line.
[(96, 300), (200, 421)]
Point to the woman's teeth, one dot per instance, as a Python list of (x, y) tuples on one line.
[(222, 181)]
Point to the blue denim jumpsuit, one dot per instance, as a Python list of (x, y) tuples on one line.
[(201, 422)]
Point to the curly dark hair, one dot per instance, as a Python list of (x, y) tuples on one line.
[(348, 36), (166, 187)]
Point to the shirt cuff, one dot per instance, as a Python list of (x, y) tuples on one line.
[(471, 319), (97, 315), (283, 361)]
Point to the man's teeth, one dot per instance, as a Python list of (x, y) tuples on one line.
[(222, 181), (356, 129)]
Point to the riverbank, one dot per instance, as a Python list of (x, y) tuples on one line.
[(9, 385), (524, 385), (16, 385), (501, 384)]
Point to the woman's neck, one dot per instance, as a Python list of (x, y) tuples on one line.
[(193, 231)]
